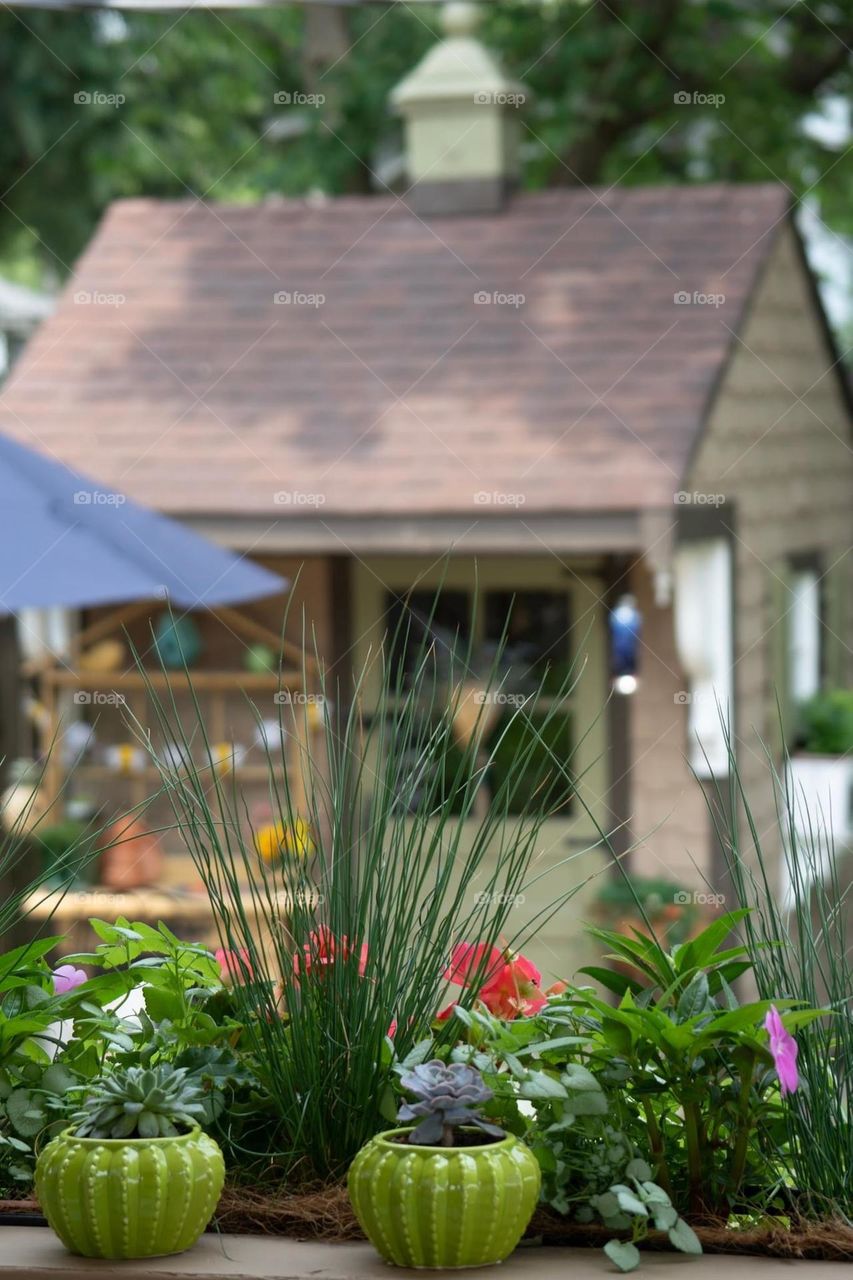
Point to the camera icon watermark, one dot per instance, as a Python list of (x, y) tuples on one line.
[(296, 498), (495, 298), (295, 98), (696, 99), (495, 698), (484, 498), (94, 98), (286, 298), (92, 298), (298, 698), (98, 498), (98, 698), (682, 298), (683, 498), (498, 98), (698, 898), (494, 898)]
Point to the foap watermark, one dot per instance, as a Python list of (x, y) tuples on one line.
[(94, 98), (696, 99), (298, 498), (487, 498), (698, 898), (494, 298), (98, 498), (98, 698), (494, 698), (93, 298), (295, 98), (494, 898), (685, 498), (286, 298), (698, 299), (298, 698), (499, 98), (684, 698)]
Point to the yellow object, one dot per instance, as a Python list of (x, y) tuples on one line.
[(278, 840), (125, 758), (104, 657)]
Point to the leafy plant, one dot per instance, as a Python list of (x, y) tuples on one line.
[(695, 1062), (135, 1102), (395, 878), (445, 1100), (827, 723), (806, 954)]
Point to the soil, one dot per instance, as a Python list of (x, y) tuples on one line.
[(326, 1214)]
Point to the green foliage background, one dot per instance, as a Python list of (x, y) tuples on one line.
[(199, 88)]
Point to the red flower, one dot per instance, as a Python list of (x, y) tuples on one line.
[(323, 948), (234, 966), (510, 987)]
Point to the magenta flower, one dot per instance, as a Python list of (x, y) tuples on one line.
[(783, 1047), (66, 978)]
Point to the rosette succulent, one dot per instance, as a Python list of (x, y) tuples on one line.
[(445, 1099), (139, 1102)]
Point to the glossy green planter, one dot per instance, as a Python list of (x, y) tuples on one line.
[(129, 1197), (444, 1207)]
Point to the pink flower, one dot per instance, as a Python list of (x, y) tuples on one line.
[(234, 966), (66, 978), (510, 986), (783, 1047), (324, 949)]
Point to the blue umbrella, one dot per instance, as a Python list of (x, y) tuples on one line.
[(66, 540)]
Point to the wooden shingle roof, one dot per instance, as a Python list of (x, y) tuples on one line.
[(175, 368)]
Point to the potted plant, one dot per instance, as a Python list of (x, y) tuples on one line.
[(454, 1191), (134, 1176), (820, 772)]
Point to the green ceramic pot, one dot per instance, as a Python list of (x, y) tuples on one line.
[(129, 1197), (444, 1207)]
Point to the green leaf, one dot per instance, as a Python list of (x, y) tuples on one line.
[(694, 999), (630, 1203), (623, 1254), (577, 1077), (540, 1085), (699, 951), (25, 1114), (639, 1169), (618, 983), (58, 1079), (416, 1055), (684, 1238)]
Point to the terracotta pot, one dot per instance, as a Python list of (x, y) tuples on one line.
[(131, 856)]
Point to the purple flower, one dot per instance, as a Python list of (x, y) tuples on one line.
[(783, 1047), (66, 978)]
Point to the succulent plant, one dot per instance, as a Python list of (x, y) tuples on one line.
[(446, 1098), (139, 1102)]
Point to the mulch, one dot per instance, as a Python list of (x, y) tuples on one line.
[(326, 1214)]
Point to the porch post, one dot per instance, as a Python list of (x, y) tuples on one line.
[(619, 800)]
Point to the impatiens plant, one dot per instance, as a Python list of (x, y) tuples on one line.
[(507, 984), (445, 1100)]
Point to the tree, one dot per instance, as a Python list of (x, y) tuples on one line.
[(666, 91)]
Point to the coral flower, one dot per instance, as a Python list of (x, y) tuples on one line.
[(234, 966), (66, 978), (324, 949), (511, 986), (783, 1047)]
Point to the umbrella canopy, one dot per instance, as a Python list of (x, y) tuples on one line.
[(67, 541)]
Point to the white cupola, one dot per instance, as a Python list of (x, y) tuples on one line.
[(462, 124)]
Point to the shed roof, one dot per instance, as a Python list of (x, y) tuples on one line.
[(206, 359)]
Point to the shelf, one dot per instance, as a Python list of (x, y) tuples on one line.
[(79, 904), (228, 681), (103, 772)]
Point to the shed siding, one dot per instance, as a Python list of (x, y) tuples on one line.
[(778, 445)]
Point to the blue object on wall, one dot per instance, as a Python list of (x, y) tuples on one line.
[(626, 624)]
